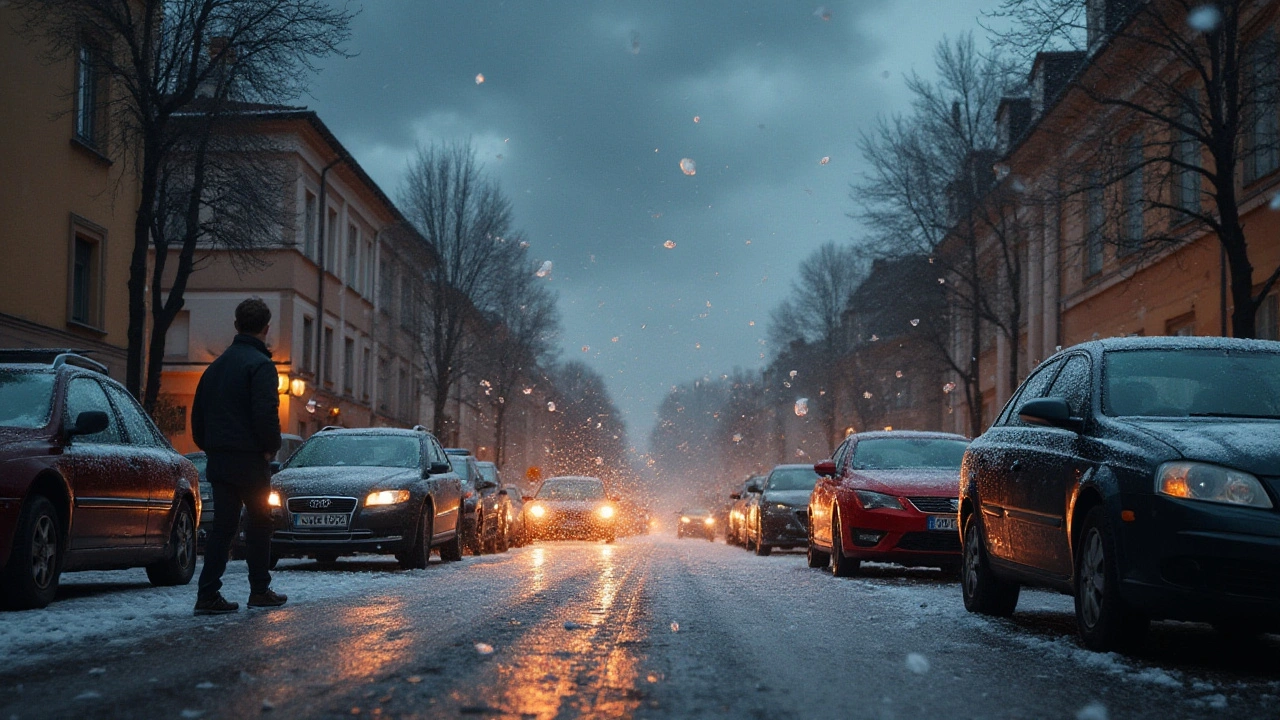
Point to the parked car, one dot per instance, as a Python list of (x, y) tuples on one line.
[(517, 533), (734, 527), (1139, 475), (750, 514), (372, 490), (479, 502), (572, 507), (696, 522), (288, 443), (87, 481), (781, 517), (889, 497), (497, 506)]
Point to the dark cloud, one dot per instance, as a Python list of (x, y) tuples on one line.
[(584, 114)]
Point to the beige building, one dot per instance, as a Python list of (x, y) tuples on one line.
[(343, 284), (67, 206)]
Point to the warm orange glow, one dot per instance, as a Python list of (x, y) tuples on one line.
[(297, 387), (1176, 484), (709, 521), (1128, 515), (537, 511), (606, 512), (282, 383), (273, 499)]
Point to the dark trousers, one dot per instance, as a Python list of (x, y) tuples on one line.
[(228, 499)]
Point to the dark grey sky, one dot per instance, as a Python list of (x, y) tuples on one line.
[(584, 115)]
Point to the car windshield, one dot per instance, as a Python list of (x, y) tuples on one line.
[(1191, 383), (572, 489), (694, 512), (908, 453), (489, 472), (801, 478), (25, 398), (358, 450)]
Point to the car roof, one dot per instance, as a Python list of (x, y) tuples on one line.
[(369, 431), (917, 434), (1172, 342)]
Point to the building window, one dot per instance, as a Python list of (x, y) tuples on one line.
[(353, 250), (367, 264), (364, 373), (309, 227), (1181, 326), (85, 276), (386, 283), (331, 242), (1095, 224), (1266, 322), (88, 97), (1262, 116), (406, 303), (1134, 202), (326, 358), (349, 366), (308, 344), (177, 341), (1187, 152)]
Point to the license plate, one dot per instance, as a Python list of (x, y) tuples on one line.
[(320, 520), (943, 522)]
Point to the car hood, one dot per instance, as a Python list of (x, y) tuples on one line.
[(796, 498), (909, 483), (1249, 445), (340, 480)]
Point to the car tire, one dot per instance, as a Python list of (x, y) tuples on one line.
[(983, 591), (500, 543), (841, 565), (471, 536), (814, 557), (1103, 618), (418, 556), (179, 564), (451, 550), (761, 549), (33, 583)]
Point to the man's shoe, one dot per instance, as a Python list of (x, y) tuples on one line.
[(215, 606), (267, 598)]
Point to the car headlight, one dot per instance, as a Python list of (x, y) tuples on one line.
[(684, 519), (386, 497), (1202, 481), (537, 511), (274, 499), (606, 511), (781, 506), (709, 521), (876, 501)]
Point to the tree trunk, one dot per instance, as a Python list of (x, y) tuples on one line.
[(440, 407), (138, 270), (499, 432)]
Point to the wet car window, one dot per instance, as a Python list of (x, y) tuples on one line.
[(135, 424), (84, 395), (1035, 387), (792, 479), (25, 398), (571, 490), (359, 450), (489, 472), (902, 453), (1191, 383), (1073, 384)]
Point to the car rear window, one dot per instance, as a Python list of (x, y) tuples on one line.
[(358, 450), (26, 398), (1191, 383), (792, 479), (908, 453)]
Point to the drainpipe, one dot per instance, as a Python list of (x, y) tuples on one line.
[(1222, 288), (322, 363)]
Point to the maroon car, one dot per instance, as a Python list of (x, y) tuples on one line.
[(87, 482)]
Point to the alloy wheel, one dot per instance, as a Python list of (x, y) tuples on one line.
[(184, 537), (972, 557), (44, 551), (1093, 578)]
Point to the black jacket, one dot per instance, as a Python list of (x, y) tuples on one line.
[(235, 416)]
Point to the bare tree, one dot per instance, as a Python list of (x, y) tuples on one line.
[(466, 218), (588, 436), (158, 57), (1192, 125)]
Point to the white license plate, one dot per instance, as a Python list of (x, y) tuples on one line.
[(320, 520), (943, 522)]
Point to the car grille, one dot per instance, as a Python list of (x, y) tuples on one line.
[(573, 517), (930, 541), (335, 504), (935, 504)]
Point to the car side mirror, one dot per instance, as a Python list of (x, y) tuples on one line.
[(735, 496), (275, 466), (89, 422), (754, 489), (439, 468), (486, 484), (826, 468), (1050, 412)]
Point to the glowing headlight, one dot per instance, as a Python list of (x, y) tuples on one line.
[(386, 497), (606, 511), (684, 519), (537, 511), (875, 501), (709, 521), (781, 506), (1201, 481), (273, 499)]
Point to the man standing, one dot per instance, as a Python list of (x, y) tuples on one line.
[(235, 420)]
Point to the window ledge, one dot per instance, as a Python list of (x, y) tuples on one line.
[(77, 325), (92, 151)]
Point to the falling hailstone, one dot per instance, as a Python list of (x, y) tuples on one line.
[(551, 407), (599, 460), (675, 627), (874, 337), (697, 119), (915, 322), (688, 167), (479, 78), (737, 437), (527, 391), (802, 407), (822, 13), (613, 339), (898, 374), (586, 348), (484, 648), (545, 270), (670, 244), (1205, 18), (792, 373), (949, 388), (917, 663), (867, 394), (824, 160)]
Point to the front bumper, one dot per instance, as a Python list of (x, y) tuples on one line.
[(378, 530), (696, 528), (784, 528), (570, 526), (902, 537), (1199, 561)]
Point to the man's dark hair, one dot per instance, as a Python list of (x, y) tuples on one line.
[(252, 316)]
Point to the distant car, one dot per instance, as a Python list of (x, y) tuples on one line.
[(735, 525), (480, 503), (1140, 476), (87, 481), (516, 533), (696, 522), (889, 497), (373, 490), (781, 517), (498, 506), (572, 508)]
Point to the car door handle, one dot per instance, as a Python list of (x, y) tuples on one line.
[(1016, 466)]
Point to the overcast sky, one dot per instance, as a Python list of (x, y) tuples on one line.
[(584, 114)]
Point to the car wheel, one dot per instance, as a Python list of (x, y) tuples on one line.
[(983, 592), (841, 566), (35, 562), (180, 564), (417, 557), (472, 540), (760, 547), (1102, 616), (816, 558), (451, 550), (500, 544)]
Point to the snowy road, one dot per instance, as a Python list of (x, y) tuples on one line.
[(650, 628)]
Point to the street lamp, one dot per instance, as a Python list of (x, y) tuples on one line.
[(297, 387)]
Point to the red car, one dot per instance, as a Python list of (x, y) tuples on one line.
[(888, 497)]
